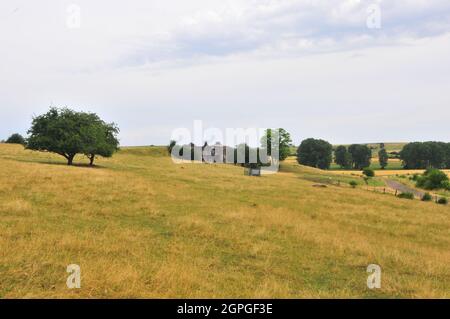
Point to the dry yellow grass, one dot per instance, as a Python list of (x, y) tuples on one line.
[(140, 226)]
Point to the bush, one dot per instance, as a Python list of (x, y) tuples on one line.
[(446, 185), (353, 184), (15, 139), (406, 195), (432, 179), (369, 172), (427, 197), (442, 201)]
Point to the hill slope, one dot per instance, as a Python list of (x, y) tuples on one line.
[(141, 226)]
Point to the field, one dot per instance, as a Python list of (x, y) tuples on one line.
[(393, 165), (140, 226)]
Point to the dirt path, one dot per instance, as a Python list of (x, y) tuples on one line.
[(403, 188)]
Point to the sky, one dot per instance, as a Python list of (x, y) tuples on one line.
[(347, 71)]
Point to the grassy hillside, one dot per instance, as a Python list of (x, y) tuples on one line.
[(141, 226)]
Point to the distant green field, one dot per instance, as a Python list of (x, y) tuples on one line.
[(375, 165), (375, 147)]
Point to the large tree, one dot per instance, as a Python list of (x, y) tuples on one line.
[(315, 153), (68, 133), (284, 139), (361, 155), (342, 157)]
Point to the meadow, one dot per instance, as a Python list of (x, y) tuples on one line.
[(140, 226)]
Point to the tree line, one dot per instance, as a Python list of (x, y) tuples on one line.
[(422, 155), (319, 153), (417, 155)]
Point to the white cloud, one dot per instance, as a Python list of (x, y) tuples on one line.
[(306, 65), (292, 27)]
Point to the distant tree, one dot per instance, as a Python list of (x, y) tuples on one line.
[(284, 139), (382, 145), (68, 133), (342, 157), (383, 158), (421, 155), (315, 153), (361, 156), (16, 138)]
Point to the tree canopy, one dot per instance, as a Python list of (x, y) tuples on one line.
[(421, 155), (342, 157), (315, 153), (15, 138), (361, 155), (68, 133)]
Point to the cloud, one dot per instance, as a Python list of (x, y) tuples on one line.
[(156, 65), (291, 27)]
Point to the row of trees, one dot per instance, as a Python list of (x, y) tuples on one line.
[(421, 155), (319, 153), (68, 133)]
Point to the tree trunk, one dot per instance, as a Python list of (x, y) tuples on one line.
[(91, 160), (70, 159)]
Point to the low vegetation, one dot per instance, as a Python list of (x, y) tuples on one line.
[(432, 179), (406, 195)]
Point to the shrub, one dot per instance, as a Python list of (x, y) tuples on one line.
[(432, 179), (406, 195), (442, 201), (353, 184), (369, 172), (446, 185), (427, 197)]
